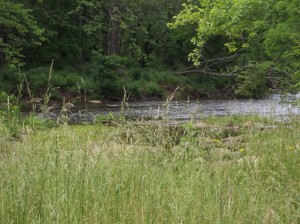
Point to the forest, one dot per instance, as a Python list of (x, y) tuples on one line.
[(236, 48)]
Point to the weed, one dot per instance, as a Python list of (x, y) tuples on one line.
[(65, 113), (9, 114)]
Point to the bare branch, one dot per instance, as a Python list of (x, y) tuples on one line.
[(281, 71), (205, 73), (223, 59)]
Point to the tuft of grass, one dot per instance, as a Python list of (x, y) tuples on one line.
[(151, 172)]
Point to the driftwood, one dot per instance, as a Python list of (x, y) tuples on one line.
[(227, 90)]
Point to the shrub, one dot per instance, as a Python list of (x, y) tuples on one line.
[(136, 74), (9, 79), (153, 89), (134, 89), (252, 82)]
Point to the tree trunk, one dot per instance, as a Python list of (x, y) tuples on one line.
[(2, 55), (114, 27), (80, 56)]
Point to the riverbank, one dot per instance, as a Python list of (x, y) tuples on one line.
[(79, 84), (225, 169)]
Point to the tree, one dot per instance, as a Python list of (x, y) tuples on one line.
[(253, 34), (61, 20), (17, 29), (73, 30), (144, 36)]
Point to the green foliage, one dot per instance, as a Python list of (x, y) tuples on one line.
[(109, 118), (104, 79), (140, 35), (18, 28), (115, 43), (33, 122), (106, 66), (9, 115), (146, 39), (254, 31), (13, 123), (153, 89), (155, 83), (104, 72), (134, 89), (148, 83), (251, 82), (9, 79)]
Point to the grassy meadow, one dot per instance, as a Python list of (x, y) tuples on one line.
[(220, 170)]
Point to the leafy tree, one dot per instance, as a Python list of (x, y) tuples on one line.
[(73, 29), (61, 21), (253, 34), (18, 28), (146, 39)]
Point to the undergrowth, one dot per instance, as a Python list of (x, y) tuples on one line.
[(106, 82)]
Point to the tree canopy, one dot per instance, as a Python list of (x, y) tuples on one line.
[(254, 43), (18, 28), (253, 39)]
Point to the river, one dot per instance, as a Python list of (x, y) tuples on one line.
[(181, 111)]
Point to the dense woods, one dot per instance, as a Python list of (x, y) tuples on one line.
[(236, 47)]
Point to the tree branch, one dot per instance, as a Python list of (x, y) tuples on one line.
[(205, 73)]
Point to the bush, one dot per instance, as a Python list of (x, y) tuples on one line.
[(110, 88), (37, 78), (105, 67), (153, 89), (136, 74), (252, 83), (9, 78), (134, 89)]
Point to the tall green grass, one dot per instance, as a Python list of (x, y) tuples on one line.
[(153, 173)]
